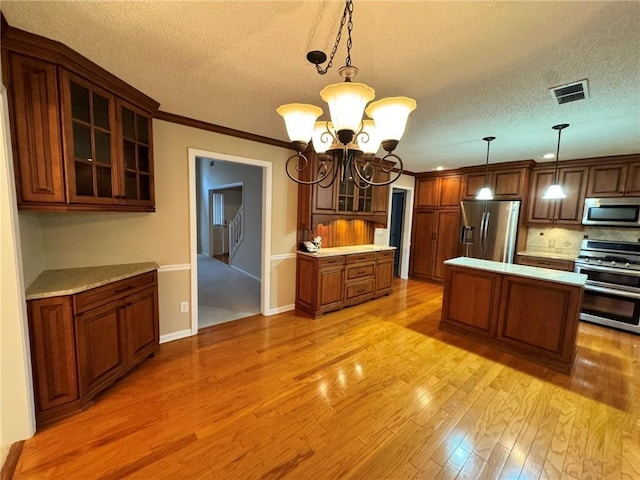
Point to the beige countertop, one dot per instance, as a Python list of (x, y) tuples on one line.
[(55, 283), (557, 276), (333, 251), (554, 256)]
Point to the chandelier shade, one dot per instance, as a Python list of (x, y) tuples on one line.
[(390, 116), (347, 145), (346, 103), (299, 119)]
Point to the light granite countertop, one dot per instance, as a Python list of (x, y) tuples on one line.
[(68, 281), (551, 255), (333, 251), (557, 276)]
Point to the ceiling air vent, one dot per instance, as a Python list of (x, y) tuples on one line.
[(570, 92)]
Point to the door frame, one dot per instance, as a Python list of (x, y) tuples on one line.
[(267, 196), (407, 220)]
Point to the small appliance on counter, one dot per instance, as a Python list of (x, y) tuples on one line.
[(612, 291), (489, 229)]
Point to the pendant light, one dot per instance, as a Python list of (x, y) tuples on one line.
[(555, 191), (485, 192)]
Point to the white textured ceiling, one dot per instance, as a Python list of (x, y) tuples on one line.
[(475, 68)]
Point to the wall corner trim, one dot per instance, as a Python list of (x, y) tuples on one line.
[(282, 309), (178, 267), (170, 337)]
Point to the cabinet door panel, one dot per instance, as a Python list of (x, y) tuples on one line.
[(632, 187), (450, 191), (574, 182), (472, 300), (540, 210), (89, 132), (384, 276), (330, 287), (422, 243), (53, 352), (141, 323), (36, 117), (508, 183), (428, 192), (447, 240), (607, 180), (101, 349), (473, 182)]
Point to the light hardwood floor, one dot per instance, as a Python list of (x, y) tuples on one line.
[(371, 392)]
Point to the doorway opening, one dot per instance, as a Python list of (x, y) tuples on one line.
[(399, 231), (395, 234), (230, 217)]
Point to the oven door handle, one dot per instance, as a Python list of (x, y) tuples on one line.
[(631, 273), (610, 291)]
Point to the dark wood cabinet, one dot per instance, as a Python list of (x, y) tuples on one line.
[(506, 183), (329, 283), (567, 211), (82, 343), (614, 180), (533, 318), (423, 237), (447, 240), (82, 138)]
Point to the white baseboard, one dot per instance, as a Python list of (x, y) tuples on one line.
[(246, 273), (170, 337), (282, 309)]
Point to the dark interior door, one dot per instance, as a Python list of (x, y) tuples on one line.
[(395, 235)]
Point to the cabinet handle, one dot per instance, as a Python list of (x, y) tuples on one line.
[(120, 290)]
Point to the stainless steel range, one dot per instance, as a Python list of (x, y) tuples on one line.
[(612, 291)]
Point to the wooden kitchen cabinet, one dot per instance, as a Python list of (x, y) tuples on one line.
[(82, 343), (70, 124), (534, 318), (567, 211), (341, 200), (438, 191), (614, 180), (329, 283), (505, 183)]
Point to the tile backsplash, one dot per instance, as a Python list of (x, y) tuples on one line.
[(567, 241)]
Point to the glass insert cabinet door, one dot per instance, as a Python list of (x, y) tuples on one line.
[(136, 150), (354, 199), (90, 141)]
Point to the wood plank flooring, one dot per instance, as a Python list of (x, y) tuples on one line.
[(374, 391)]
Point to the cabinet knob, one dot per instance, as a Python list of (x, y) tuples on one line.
[(89, 159)]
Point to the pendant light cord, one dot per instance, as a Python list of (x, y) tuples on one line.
[(559, 128), (486, 167)]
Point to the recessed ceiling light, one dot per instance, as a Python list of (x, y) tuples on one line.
[(549, 155), (440, 167)]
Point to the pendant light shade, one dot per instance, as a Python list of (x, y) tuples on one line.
[(370, 141), (485, 192), (555, 190), (299, 119), (346, 103), (390, 116)]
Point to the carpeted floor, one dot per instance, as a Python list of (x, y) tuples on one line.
[(224, 294)]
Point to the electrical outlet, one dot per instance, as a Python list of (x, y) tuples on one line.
[(184, 307)]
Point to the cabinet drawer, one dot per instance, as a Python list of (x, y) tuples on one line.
[(328, 261), (385, 254), (554, 263), (361, 257), (100, 295), (359, 289), (357, 272)]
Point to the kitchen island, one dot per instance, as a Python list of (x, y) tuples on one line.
[(528, 311)]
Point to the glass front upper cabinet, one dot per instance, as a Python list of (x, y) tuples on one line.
[(136, 150), (90, 132)]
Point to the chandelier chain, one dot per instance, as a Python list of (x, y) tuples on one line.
[(348, 9)]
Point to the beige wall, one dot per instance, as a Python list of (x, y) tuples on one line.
[(16, 400), (83, 239)]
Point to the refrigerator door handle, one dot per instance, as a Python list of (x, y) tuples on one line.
[(483, 231)]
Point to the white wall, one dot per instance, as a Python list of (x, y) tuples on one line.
[(249, 254), (17, 420)]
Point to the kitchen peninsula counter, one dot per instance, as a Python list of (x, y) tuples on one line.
[(528, 311)]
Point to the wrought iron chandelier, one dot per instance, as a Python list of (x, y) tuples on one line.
[(346, 145)]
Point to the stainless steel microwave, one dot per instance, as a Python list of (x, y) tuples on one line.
[(614, 212)]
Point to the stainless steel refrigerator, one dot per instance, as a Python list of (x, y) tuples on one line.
[(489, 229)]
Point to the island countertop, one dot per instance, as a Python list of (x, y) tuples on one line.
[(68, 281), (333, 251), (558, 276)]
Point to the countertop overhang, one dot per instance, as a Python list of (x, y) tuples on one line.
[(69, 281), (546, 274), (334, 251)]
